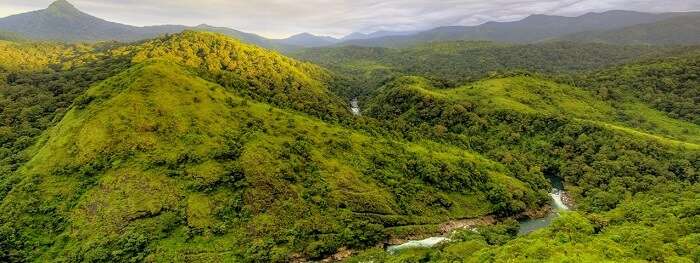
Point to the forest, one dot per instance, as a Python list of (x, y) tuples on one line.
[(198, 147)]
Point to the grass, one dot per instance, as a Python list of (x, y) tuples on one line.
[(536, 96), (139, 159)]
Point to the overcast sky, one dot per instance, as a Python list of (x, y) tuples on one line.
[(281, 18)]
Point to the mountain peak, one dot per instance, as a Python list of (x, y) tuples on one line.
[(305, 34), (63, 6)]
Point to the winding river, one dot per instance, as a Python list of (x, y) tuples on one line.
[(526, 226)]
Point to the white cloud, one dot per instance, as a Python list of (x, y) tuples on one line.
[(280, 18)]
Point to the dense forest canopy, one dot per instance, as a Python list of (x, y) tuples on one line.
[(197, 147), (455, 63)]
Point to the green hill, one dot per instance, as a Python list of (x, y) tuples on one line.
[(158, 164), (195, 147), (538, 123), (669, 84), (262, 74), (631, 183), (682, 29), (529, 95), (454, 63)]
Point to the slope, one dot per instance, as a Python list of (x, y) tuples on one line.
[(529, 95), (256, 72), (531, 29), (309, 40), (669, 84), (62, 21), (454, 63), (603, 150), (678, 30), (158, 164)]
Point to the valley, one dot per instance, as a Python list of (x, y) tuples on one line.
[(561, 143)]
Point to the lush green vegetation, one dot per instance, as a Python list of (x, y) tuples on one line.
[(453, 63), (547, 127), (258, 73), (157, 163), (677, 30), (195, 147), (632, 232), (670, 84)]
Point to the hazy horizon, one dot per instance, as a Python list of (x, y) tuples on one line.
[(281, 19)]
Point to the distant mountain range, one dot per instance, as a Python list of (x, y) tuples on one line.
[(61, 21), (678, 30), (537, 28)]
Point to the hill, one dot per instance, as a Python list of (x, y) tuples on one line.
[(677, 30), (158, 163), (195, 147), (531, 29), (668, 83), (533, 96), (454, 63), (308, 40), (377, 34), (62, 21), (265, 75)]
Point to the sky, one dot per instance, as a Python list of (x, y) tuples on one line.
[(282, 18)]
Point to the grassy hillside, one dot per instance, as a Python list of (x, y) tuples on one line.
[(454, 63), (159, 164), (634, 187), (536, 96), (669, 84), (196, 147), (528, 123), (630, 233), (529, 95), (262, 74)]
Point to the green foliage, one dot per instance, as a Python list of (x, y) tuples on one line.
[(156, 162), (197, 148), (532, 125), (253, 71), (365, 69), (668, 84), (681, 29), (658, 226)]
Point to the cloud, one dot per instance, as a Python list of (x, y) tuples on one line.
[(281, 18)]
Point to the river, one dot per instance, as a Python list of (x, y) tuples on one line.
[(526, 226), (557, 202)]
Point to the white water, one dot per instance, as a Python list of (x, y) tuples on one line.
[(526, 226), (355, 107), (426, 243), (558, 201), (558, 205)]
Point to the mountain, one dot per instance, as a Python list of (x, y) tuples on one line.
[(202, 154), (245, 37), (456, 62), (668, 83), (683, 29), (308, 40), (62, 21), (360, 36), (531, 29), (198, 147)]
